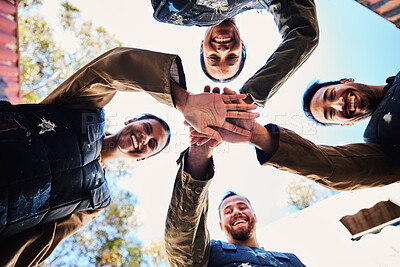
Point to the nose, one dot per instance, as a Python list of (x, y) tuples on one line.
[(338, 104), (236, 211), (222, 48), (145, 138)]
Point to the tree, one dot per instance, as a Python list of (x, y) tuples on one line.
[(45, 62), (302, 193), (155, 253), (41, 56), (109, 240)]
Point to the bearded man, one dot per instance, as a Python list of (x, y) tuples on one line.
[(345, 167), (187, 239)]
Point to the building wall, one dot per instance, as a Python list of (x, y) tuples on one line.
[(389, 9), (10, 82), (318, 238)]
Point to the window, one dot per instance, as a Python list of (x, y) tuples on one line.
[(372, 220)]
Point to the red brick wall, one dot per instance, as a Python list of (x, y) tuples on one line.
[(9, 55)]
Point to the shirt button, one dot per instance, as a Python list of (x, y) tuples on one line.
[(198, 190)]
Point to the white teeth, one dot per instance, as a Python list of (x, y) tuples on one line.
[(239, 221), (352, 103), (134, 141), (222, 39)]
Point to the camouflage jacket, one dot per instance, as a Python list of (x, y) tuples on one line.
[(187, 239), (296, 21)]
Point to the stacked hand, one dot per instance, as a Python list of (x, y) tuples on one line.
[(237, 127), (208, 112)]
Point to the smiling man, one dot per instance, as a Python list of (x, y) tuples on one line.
[(342, 102), (222, 53), (142, 137), (346, 167), (54, 153), (187, 239)]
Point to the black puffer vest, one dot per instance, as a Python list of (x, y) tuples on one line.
[(49, 165), (229, 255), (201, 12), (384, 126)]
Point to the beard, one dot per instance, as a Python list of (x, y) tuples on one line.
[(370, 99), (241, 234), (370, 102)]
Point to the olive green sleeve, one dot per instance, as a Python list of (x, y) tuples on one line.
[(187, 238), (297, 23), (120, 69), (345, 167)]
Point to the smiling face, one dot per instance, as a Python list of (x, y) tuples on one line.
[(141, 139), (343, 103), (222, 50), (238, 220)]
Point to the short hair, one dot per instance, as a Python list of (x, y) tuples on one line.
[(308, 95), (242, 61), (230, 194), (146, 116)]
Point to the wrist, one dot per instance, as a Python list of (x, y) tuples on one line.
[(249, 99), (179, 96), (197, 162), (203, 152), (264, 140), (258, 135)]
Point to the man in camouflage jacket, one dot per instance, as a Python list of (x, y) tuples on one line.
[(187, 238)]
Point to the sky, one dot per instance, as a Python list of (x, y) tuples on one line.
[(354, 43)]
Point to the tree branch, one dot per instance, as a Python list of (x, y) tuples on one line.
[(52, 78)]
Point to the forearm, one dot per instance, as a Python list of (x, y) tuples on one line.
[(262, 139), (179, 96), (186, 236), (198, 160), (120, 69), (345, 167), (299, 27)]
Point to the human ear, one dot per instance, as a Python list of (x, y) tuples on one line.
[(220, 225), (346, 124), (201, 47), (347, 80), (130, 121)]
